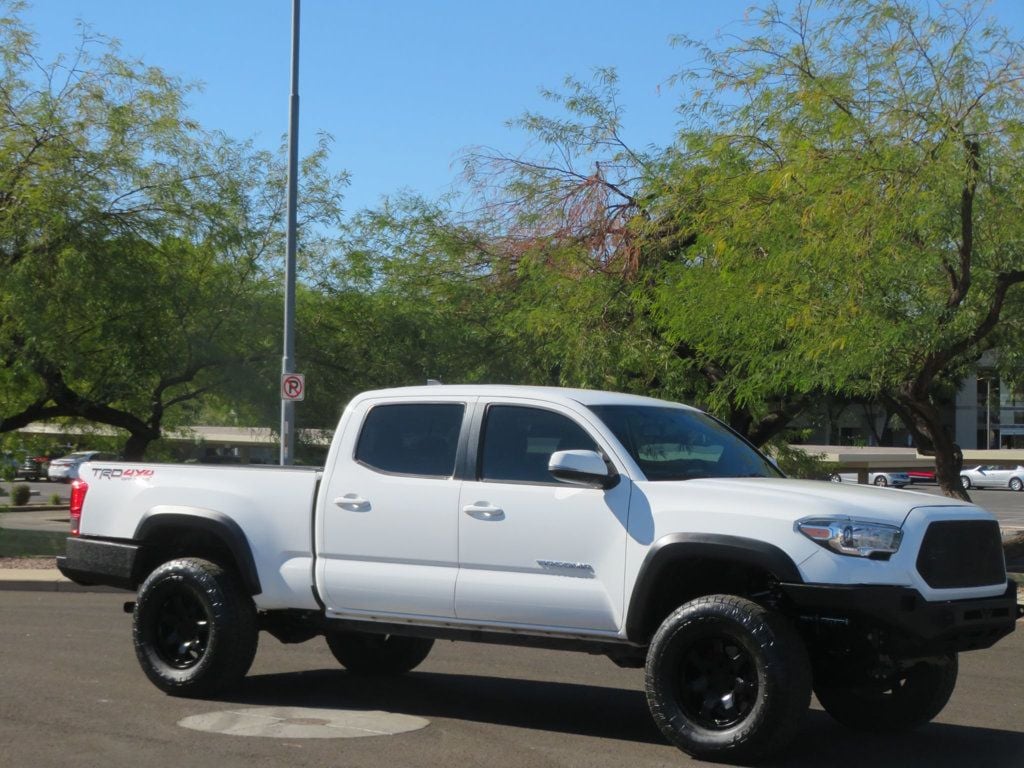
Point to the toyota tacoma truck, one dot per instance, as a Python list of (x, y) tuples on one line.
[(638, 529)]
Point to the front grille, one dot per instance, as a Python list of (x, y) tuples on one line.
[(962, 553)]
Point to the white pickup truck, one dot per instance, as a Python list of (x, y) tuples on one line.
[(613, 524)]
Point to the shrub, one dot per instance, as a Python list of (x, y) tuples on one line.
[(795, 462), (21, 494), (56, 500), (1014, 549)]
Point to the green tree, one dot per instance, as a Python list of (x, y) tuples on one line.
[(858, 171), (582, 229), (401, 299), (138, 253)]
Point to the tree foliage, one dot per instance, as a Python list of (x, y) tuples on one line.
[(841, 215), (136, 250), (584, 228), (859, 227)]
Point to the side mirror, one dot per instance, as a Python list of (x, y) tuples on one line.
[(584, 468)]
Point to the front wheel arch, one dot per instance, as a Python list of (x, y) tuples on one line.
[(683, 566)]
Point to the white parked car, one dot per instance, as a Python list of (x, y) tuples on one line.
[(881, 479), (993, 477), (65, 469)]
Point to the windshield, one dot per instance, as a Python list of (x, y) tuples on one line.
[(680, 444)]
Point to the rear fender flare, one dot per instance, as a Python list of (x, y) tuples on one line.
[(165, 519)]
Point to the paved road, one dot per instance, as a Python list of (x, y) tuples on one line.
[(71, 692)]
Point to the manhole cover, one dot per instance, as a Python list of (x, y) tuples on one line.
[(303, 723)]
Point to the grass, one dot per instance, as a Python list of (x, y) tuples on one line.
[(17, 543)]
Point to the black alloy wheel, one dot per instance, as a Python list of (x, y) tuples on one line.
[(727, 679), (717, 681), (366, 654), (901, 699), (182, 628), (195, 628)]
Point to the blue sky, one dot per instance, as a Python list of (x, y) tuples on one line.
[(404, 86)]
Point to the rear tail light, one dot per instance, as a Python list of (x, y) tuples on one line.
[(78, 489)]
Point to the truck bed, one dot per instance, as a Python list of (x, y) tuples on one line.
[(272, 507)]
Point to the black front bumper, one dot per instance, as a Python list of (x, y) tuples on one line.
[(912, 624), (92, 562)]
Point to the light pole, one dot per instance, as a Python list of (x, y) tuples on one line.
[(288, 358)]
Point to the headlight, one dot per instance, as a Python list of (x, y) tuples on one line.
[(857, 538)]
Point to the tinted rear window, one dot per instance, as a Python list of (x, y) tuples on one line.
[(411, 439)]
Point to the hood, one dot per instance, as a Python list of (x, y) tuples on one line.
[(793, 500)]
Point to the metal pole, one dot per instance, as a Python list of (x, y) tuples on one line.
[(288, 359), (988, 414)]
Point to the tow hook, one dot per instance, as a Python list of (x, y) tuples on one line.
[(129, 607)]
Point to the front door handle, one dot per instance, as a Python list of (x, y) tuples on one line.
[(484, 511), (353, 502)]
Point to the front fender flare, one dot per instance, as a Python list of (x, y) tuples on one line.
[(673, 547)]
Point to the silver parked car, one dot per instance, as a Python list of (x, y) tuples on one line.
[(993, 477), (65, 469), (881, 479)]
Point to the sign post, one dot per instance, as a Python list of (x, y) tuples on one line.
[(288, 358)]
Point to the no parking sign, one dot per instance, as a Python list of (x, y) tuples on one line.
[(293, 386)]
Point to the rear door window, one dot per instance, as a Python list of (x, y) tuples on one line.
[(419, 439)]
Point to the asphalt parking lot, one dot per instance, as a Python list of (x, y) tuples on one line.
[(71, 692)]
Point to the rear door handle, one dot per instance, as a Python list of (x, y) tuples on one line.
[(353, 502), (484, 511)]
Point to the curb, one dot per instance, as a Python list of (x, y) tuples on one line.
[(48, 580), (35, 508)]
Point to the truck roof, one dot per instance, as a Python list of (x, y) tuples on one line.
[(585, 397)]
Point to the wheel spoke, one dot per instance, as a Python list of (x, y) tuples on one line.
[(181, 629), (718, 681)]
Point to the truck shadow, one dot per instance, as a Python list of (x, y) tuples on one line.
[(615, 713)]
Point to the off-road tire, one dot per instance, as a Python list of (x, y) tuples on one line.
[(904, 701), (366, 654), (727, 679), (194, 628)]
